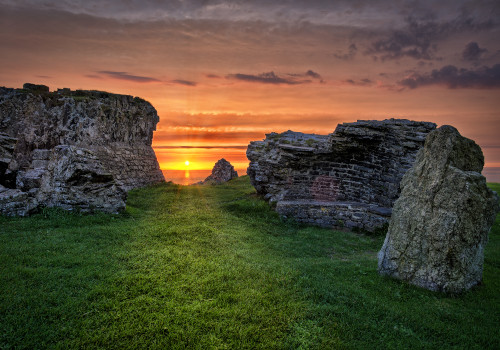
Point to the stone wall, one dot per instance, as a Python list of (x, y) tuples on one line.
[(349, 178), (107, 136)]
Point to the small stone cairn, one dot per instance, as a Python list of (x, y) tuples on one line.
[(222, 171)]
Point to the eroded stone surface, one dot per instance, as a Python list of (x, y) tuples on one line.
[(107, 136), (222, 171), (440, 223), (349, 178)]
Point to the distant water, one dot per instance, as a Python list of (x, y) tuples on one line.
[(188, 177)]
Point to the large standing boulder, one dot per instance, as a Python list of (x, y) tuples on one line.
[(440, 223), (222, 171)]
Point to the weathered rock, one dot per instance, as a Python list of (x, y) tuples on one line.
[(7, 144), (440, 223), (76, 178), (36, 87), (107, 136), (222, 171), (349, 178)]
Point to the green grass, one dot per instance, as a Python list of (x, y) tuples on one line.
[(212, 267)]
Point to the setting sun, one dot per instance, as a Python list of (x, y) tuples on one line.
[(186, 163)]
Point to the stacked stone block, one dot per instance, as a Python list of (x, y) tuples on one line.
[(107, 137), (349, 178)]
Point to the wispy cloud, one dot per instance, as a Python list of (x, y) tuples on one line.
[(349, 55), (454, 78), (93, 76), (265, 78), (273, 78), (184, 82), (361, 82), (187, 138), (128, 77)]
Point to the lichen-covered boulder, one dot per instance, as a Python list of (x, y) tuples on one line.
[(222, 171), (440, 223)]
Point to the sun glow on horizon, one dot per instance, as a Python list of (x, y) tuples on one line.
[(186, 163)]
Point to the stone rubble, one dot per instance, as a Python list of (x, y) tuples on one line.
[(440, 223), (79, 150), (349, 178)]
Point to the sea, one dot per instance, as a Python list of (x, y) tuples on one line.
[(188, 177)]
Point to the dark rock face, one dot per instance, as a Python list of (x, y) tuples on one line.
[(73, 149), (36, 87), (349, 178), (440, 223), (222, 171)]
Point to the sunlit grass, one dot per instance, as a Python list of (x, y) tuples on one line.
[(213, 267)]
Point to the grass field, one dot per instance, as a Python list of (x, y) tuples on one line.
[(212, 267)]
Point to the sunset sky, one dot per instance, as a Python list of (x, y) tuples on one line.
[(223, 73)]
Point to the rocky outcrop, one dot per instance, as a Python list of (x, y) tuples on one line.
[(440, 223), (222, 171), (73, 149), (349, 178)]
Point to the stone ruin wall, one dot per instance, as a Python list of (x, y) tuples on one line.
[(106, 136), (349, 178)]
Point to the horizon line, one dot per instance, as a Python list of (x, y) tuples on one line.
[(206, 147)]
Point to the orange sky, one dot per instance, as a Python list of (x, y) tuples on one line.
[(221, 74)]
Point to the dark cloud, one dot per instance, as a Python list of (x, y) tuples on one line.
[(454, 78), (313, 74), (349, 55), (472, 52), (272, 78), (309, 74), (184, 82), (129, 77), (418, 39), (212, 76), (362, 82)]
